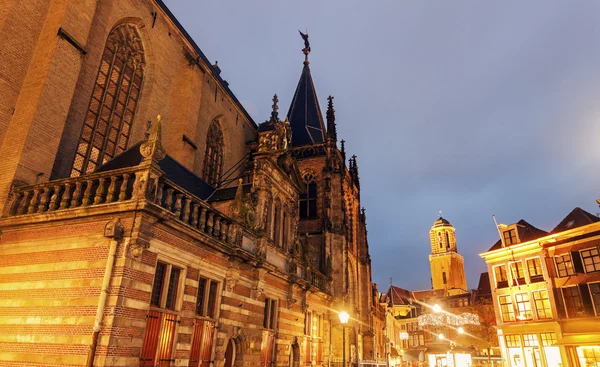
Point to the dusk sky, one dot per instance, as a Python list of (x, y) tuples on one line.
[(470, 107)]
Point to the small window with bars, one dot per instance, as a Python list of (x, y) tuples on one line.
[(513, 341), (590, 259), (206, 301), (165, 288), (109, 117), (564, 265)]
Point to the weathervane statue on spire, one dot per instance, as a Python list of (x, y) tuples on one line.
[(306, 49)]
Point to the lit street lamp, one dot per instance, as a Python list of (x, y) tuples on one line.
[(344, 317), (437, 308), (460, 330)]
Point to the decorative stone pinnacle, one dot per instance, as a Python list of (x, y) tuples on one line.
[(331, 128), (152, 149), (274, 114)]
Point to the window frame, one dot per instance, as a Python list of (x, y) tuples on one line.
[(212, 167), (110, 114), (509, 307), (571, 297), (526, 310), (270, 313), (547, 311), (308, 202), (165, 287), (520, 280), (595, 303), (595, 259), (512, 236), (500, 283), (568, 270), (538, 277), (205, 311)]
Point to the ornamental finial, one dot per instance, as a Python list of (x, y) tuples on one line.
[(306, 49)]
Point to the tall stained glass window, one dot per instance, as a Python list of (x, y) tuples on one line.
[(116, 92)]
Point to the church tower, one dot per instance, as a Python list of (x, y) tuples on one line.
[(447, 265)]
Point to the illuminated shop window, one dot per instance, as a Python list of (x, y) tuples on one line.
[(564, 265), (530, 340), (513, 341), (114, 99), (589, 356), (548, 339)]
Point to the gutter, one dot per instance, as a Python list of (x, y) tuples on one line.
[(114, 231)]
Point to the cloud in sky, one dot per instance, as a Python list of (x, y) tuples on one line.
[(471, 107)]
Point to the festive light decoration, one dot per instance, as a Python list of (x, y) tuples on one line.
[(465, 318), (404, 335)]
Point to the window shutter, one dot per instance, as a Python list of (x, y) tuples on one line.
[(586, 299), (577, 264), (560, 305), (148, 354)]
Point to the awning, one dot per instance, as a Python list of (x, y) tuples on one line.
[(485, 358), (580, 339), (394, 352), (413, 355)]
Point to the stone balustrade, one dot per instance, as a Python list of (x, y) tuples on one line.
[(195, 212), (93, 189), (318, 280)]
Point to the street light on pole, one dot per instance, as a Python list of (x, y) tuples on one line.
[(344, 317)]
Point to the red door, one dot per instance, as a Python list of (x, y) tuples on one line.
[(266, 350), (157, 349), (166, 340), (148, 354), (202, 341)]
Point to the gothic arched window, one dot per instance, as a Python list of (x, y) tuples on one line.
[(308, 200), (116, 92), (447, 240), (213, 156)]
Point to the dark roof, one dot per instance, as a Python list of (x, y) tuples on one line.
[(398, 296), (526, 231), (173, 170), (576, 218), (483, 288), (228, 193), (304, 114), (441, 222)]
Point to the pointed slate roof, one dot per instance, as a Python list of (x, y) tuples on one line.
[(304, 114), (576, 218)]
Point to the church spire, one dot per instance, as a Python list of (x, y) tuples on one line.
[(331, 128), (306, 120)]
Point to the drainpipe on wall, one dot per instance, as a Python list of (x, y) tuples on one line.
[(114, 231)]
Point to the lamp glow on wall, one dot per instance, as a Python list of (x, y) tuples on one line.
[(404, 335), (344, 317)]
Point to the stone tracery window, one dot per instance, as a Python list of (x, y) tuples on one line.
[(116, 92), (213, 156), (308, 201)]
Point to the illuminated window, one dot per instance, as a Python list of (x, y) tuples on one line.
[(501, 278), (534, 268), (513, 341), (589, 356), (573, 302), (207, 297), (510, 236), (523, 306), (506, 308), (530, 340), (564, 265), (517, 273), (542, 304), (595, 293), (308, 200), (591, 259), (548, 339), (213, 156), (116, 92)]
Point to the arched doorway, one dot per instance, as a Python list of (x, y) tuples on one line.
[(230, 353), (295, 355)]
